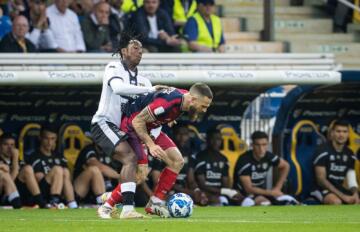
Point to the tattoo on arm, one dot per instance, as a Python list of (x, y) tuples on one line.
[(139, 124)]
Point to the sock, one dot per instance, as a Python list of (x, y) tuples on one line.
[(128, 193), (99, 200), (14, 199), (54, 199), (166, 182), (115, 197), (73, 205), (39, 200)]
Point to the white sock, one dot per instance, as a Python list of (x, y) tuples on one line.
[(155, 199), (73, 205), (13, 195), (99, 200)]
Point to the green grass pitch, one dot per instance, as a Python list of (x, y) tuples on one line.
[(290, 218)]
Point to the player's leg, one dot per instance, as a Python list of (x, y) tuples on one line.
[(332, 199), (52, 184), (174, 163), (10, 191), (92, 178), (262, 200), (68, 189), (27, 177)]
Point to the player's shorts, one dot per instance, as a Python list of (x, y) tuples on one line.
[(320, 194), (25, 194), (107, 136), (162, 140)]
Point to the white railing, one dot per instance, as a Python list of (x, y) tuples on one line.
[(177, 61)]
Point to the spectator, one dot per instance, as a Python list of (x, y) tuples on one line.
[(117, 22), (203, 30), (21, 173), (8, 191), (82, 8), (91, 169), (251, 172), (16, 7), (40, 34), (15, 40), (66, 27), (96, 25), (180, 11), (5, 24), (334, 162), (212, 172), (185, 181), (155, 27), (51, 170)]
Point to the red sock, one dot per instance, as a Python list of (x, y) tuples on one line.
[(166, 182), (115, 196)]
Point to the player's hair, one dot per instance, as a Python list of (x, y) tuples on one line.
[(201, 89), (48, 127), (340, 122), (6, 136), (259, 135), (126, 37)]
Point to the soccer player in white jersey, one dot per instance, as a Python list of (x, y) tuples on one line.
[(121, 83)]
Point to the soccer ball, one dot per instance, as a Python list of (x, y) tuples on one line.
[(180, 205)]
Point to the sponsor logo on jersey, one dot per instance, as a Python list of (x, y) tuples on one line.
[(159, 110)]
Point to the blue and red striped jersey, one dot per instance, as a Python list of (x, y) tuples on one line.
[(164, 106)]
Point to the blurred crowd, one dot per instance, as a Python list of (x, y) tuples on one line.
[(96, 25)]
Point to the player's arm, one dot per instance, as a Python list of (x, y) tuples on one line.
[(121, 88), (202, 184), (283, 169), (14, 164), (139, 125), (250, 189), (320, 174), (104, 169)]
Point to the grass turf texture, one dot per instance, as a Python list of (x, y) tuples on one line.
[(291, 218)]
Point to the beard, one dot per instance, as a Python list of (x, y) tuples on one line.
[(193, 115)]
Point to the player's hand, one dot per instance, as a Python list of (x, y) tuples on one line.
[(15, 154), (4, 168), (356, 197), (276, 192), (157, 152), (348, 199), (161, 87)]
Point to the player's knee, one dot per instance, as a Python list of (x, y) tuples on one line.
[(57, 171), (28, 170), (179, 163), (333, 201), (94, 170)]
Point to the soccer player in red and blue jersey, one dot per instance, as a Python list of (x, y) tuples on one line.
[(151, 111)]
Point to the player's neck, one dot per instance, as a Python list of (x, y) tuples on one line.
[(129, 65), (45, 151), (337, 146)]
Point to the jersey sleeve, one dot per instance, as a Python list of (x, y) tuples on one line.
[(243, 167), (274, 159), (321, 158), (163, 103), (200, 167)]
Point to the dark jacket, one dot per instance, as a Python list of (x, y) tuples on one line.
[(142, 26), (9, 44), (95, 36)]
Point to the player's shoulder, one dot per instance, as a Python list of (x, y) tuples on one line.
[(171, 93), (114, 65)]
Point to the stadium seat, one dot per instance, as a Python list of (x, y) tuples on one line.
[(71, 140), (232, 147), (28, 139), (304, 140)]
